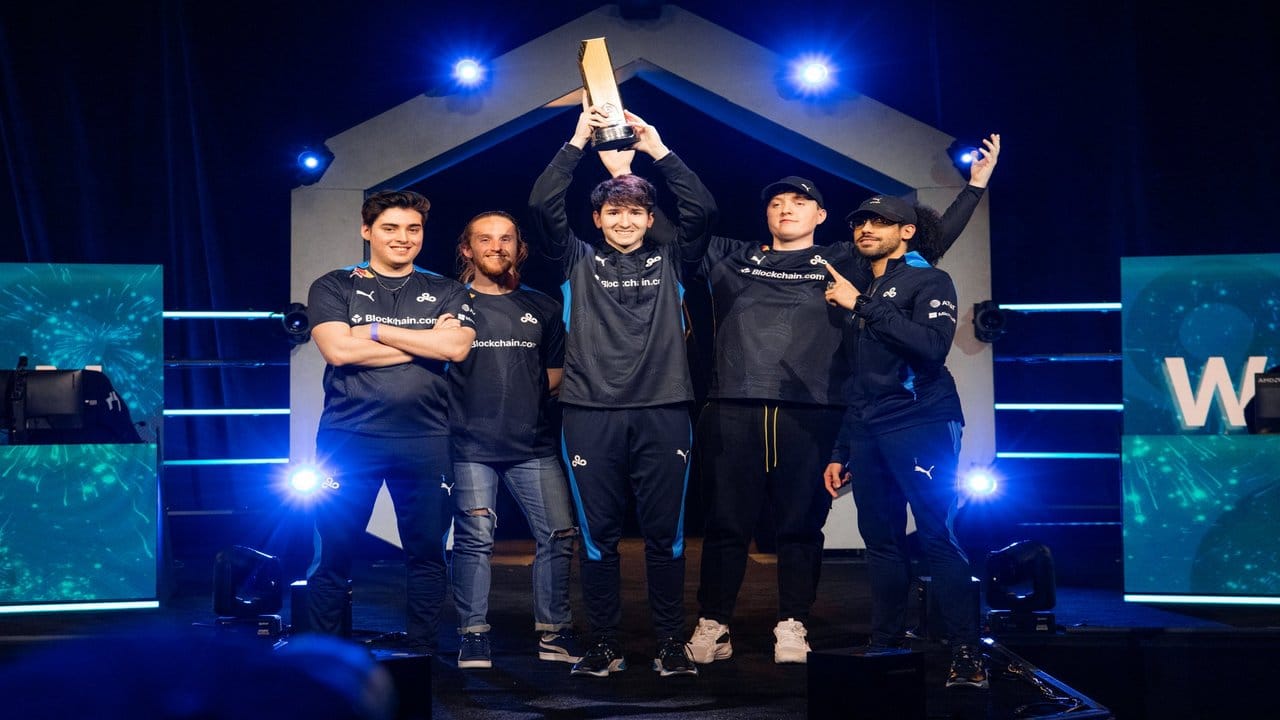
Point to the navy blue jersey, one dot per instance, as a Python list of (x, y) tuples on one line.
[(623, 312), (406, 400), (499, 400), (899, 338), (776, 337)]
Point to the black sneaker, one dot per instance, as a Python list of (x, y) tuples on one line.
[(475, 651), (968, 668), (560, 646), (601, 659), (674, 658)]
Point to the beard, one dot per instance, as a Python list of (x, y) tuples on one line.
[(880, 249), (494, 266)]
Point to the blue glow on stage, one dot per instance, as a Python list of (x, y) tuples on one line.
[(226, 461), (210, 412)]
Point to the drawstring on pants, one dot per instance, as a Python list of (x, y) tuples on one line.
[(767, 425)]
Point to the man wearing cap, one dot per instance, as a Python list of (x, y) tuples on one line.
[(775, 404), (900, 439)]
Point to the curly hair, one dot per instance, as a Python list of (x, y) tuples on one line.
[(384, 200), (467, 266), (624, 191), (928, 238)]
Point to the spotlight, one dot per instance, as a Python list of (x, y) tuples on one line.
[(247, 583), (305, 480), (813, 75), (988, 321), (1020, 578), (962, 154), (297, 324), (468, 72), (980, 483), (312, 163)]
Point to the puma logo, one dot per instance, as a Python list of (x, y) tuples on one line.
[(683, 455), (367, 294), (927, 473), (446, 487)]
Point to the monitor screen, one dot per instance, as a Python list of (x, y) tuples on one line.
[(50, 399)]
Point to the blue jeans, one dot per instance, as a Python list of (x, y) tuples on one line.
[(540, 488)]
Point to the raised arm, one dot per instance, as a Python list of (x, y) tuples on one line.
[(961, 209), (551, 233), (694, 203)]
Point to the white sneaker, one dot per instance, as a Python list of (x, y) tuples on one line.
[(790, 645), (710, 642)]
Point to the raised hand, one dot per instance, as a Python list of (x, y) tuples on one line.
[(984, 161), (647, 138), (588, 120)]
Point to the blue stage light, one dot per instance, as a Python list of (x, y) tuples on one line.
[(813, 74), (980, 483), (305, 480), (962, 154), (468, 72), (310, 161)]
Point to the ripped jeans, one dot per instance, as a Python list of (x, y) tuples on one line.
[(542, 492)]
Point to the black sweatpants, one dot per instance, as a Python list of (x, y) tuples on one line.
[(751, 452), (611, 455)]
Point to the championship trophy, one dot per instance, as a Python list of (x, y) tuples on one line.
[(602, 91)]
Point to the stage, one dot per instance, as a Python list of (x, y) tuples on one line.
[(1134, 660)]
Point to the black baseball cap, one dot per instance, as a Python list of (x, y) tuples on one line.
[(792, 183), (886, 206)]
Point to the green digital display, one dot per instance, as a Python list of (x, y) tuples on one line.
[(79, 522)]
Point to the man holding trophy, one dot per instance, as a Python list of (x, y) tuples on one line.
[(626, 387)]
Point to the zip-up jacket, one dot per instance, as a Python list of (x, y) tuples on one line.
[(622, 312), (899, 337)]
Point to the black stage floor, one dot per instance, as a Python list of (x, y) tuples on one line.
[(1136, 660)]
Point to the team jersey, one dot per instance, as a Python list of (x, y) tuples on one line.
[(498, 397), (624, 316), (406, 400), (776, 338), (899, 340)]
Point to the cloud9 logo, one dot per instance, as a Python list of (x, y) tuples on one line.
[(578, 461), (652, 260), (817, 260), (426, 297), (529, 318)]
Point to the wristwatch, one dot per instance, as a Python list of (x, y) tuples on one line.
[(859, 304)]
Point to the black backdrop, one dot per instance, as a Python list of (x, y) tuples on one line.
[(165, 132)]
